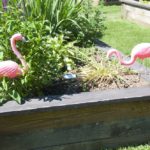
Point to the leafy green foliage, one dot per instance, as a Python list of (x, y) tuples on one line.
[(140, 147), (76, 19), (1, 6), (45, 55), (56, 12), (48, 27), (91, 23), (144, 1)]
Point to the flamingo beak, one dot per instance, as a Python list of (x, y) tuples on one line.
[(23, 39)]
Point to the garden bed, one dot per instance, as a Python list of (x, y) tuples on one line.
[(136, 11), (88, 120)]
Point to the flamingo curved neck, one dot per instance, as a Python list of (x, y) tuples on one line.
[(14, 48), (19, 56), (130, 62), (123, 62)]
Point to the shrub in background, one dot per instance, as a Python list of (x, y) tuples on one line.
[(76, 19), (47, 57), (91, 23), (45, 26), (56, 12)]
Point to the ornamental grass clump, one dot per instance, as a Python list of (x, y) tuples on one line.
[(99, 72)]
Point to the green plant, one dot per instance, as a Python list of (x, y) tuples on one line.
[(140, 147), (99, 72), (47, 56), (58, 12), (1, 6), (145, 1), (91, 24), (76, 19)]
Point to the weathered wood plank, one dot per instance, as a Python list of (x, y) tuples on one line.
[(136, 4), (65, 117), (75, 100), (102, 133), (136, 12), (99, 124)]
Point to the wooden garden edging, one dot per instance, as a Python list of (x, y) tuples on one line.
[(106, 2), (136, 11), (85, 121)]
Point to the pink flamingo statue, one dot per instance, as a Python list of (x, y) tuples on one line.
[(140, 51), (10, 68)]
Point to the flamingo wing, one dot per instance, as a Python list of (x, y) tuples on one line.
[(146, 53), (141, 50), (9, 69)]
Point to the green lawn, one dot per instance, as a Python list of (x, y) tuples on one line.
[(122, 34), (141, 147)]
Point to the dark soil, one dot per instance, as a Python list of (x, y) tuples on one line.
[(71, 86), (129, 81)]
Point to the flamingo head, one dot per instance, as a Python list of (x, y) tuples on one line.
[(111, 52), (18, 37)]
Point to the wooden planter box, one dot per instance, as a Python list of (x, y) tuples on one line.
[(136, 11), (85, 121), (106, 2)]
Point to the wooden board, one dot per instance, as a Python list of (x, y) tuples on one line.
[(136, 12), (93, 125)]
